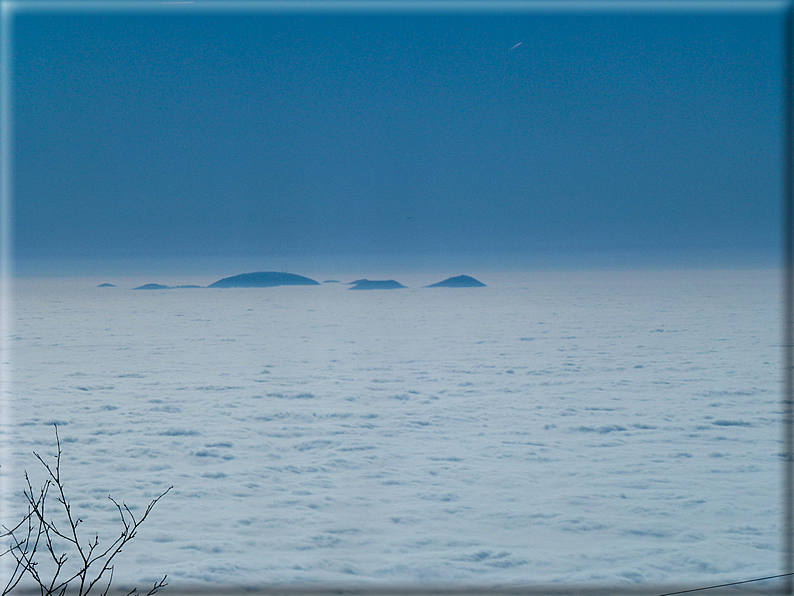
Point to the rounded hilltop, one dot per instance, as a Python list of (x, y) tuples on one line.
[(263, 279), (459, 281), (375, 284)]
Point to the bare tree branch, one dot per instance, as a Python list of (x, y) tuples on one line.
[(33, 538)]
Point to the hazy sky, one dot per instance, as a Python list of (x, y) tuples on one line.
[(199, 134)]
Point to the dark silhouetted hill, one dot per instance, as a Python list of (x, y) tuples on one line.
[(106, 286), (369, 284), (263, 279), (152, 287), (459, 281)]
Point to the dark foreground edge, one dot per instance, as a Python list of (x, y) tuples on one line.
[(770, 587)]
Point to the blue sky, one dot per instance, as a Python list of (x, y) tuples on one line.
[(368, 133)]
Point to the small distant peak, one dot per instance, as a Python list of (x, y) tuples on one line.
[(459, 281), (331, 281), (381, 284), (152, 287), (106, 286)]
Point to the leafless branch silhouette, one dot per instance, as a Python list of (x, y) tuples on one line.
[(41, 549)]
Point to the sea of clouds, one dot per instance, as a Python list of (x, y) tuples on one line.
[(617, 427)]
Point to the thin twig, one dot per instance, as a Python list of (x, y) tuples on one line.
[(37, 531)]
